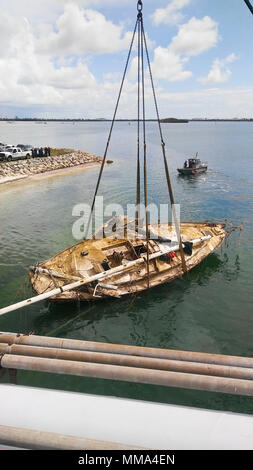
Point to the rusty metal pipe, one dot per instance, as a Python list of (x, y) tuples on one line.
[(130, 374), (129, 361), (207, 358), (40, 440)]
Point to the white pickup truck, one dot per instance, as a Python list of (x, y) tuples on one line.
[(14, 153)]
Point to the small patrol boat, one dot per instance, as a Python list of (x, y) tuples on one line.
[(193, 166)]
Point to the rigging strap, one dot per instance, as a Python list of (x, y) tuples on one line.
[(172, 201), (142, 43), (110, 133), (138, 184), (250, 7), (144, 144)]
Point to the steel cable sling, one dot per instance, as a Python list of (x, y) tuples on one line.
[(140, 20), (142, 43), (110, 133), (138, 184), (250, 7), (172, 201)]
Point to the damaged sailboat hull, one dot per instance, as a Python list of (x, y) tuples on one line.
[(121, 259)]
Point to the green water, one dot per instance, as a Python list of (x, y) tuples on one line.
[(209, 310)]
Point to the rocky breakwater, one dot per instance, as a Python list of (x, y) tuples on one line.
[(19, 169)]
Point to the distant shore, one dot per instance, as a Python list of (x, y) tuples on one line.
[(164, 120), (221, 120), (44, 167)]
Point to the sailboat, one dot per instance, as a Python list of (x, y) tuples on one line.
[(117, 266), (138, 255), (131, 260)]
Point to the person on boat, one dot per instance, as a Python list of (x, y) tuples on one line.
[(185, 164)]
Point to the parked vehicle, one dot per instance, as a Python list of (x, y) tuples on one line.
[(14, 153), (6, 147), (25, 147), (2, 156)]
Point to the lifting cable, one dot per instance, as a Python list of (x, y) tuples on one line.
[(110, 133), (140, 19), (138, 184), (250, 7), (172, 201), (142, 44)]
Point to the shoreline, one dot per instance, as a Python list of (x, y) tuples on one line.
[(50, 174), (47, 167)]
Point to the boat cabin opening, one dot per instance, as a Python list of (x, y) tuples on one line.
[(192, 163)]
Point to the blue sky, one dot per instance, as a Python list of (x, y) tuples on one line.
[(64, 58)]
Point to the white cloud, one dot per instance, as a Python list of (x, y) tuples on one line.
[(133, 70), (220, 72), (14, 33), (195, 37), (69, 78), (40, 10), (29, 76), (171, 14), (169, 66), (81, 31), (58, 76), (210, 103), (67, 86), (192, 39)]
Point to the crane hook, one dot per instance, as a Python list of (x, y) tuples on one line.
[(139, 6)]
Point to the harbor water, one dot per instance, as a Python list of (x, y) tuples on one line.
[(207, 310)]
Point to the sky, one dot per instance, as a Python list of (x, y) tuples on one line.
[(65, 58)]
